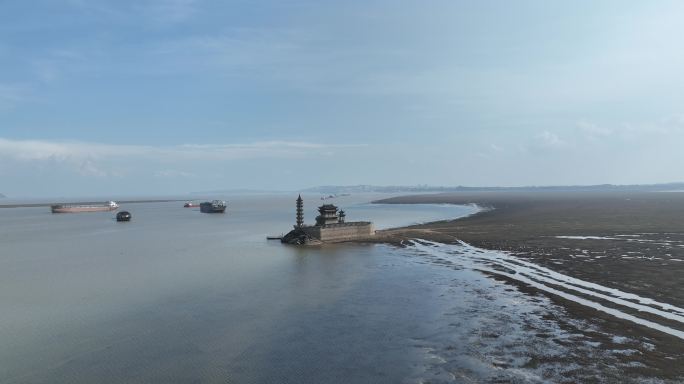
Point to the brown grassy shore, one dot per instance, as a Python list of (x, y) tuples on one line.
[(641, 250)]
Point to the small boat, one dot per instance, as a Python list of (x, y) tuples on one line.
[(274, 237), (123, 216), (190, 204), (216, 206), (73, 208)]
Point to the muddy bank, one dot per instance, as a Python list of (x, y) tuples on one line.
[(633, 242)]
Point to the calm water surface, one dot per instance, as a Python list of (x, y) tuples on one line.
[(181, 296)]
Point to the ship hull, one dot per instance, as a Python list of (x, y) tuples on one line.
[(78, 209), (216, 206), (210, 209)]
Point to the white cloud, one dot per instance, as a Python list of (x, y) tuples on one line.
[(674, 121), (296, 57), (593, 131), (33, 150), (168, 11), (100, 160), (88, 168), (495, 148), (630, 131), (153, 12), (550, 140), (51, 66), (11, 95), (173, 173)]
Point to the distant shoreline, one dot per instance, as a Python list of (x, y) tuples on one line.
[(34, 205)]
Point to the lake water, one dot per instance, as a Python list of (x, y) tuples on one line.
[(178, 296)]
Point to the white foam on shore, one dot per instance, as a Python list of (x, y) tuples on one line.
[(544, 279)]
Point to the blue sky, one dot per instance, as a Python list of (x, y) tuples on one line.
[(171, 96)]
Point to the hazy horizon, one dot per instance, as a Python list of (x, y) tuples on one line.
[(167, 97), (336, 190)]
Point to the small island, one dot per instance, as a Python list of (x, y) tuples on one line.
[(331, 227)]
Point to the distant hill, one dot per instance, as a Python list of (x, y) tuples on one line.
[(333, 189)]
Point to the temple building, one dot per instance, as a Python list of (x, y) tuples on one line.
[(327, 215), (331, 226)]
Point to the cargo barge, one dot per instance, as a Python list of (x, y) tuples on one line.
[(75, 208)]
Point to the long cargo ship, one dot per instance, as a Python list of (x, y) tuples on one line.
[(73, 208)]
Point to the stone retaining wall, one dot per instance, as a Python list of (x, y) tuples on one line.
[(341, 232)]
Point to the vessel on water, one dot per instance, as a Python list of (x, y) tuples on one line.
[(216, 206), (74, 208), (123, 216), (190, 204)]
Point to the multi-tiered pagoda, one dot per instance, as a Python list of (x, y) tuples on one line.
[(300, 212)]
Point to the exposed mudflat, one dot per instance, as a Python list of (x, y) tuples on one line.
[(620, 256)]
